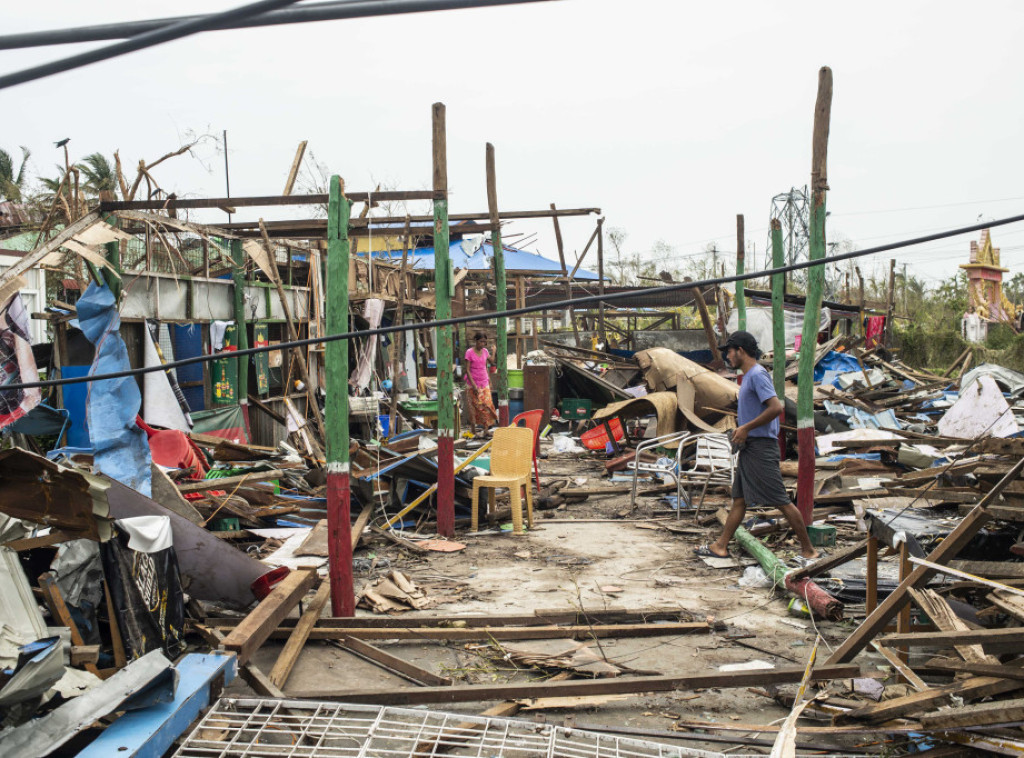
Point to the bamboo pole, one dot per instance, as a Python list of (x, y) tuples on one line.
[(445, 346), (339, 509), (500, 289), (812, 307), (741, 300)]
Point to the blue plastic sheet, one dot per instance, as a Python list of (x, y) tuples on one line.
[(834, 364), (120, 448)]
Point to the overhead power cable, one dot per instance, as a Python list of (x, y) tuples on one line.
[(326, 11), (514, 312), (172, 31)]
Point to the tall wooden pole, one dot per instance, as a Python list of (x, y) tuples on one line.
[(568, 277), (339, 508), (399, 343), (890, 303), (812, 307), (779, 325), (445, 345), (500, 289), (741, 300), (860, 301), (242, 340), (600, 282)]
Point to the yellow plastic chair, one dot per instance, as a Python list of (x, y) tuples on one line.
[(511, 466)]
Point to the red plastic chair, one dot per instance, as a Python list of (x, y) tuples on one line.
[(531, 420)]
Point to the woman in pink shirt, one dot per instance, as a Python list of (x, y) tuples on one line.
[(478, 384)]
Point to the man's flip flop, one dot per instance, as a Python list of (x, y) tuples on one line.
[(705, 551)]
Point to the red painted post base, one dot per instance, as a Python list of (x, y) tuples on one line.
[(339, 541), (446, 484), (502, 413), (805, 472)]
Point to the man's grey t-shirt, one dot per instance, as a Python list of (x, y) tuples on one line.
[(756, 390)]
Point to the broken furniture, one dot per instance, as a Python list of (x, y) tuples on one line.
[(532, 420), (676, 438), (511, 457), (714, 464)]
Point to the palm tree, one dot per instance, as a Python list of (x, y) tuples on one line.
[(98, 173), (12, 183)]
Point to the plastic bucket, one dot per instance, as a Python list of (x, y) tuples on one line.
[(385, 424), (515, 377)]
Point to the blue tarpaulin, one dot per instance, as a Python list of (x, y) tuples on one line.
[(834, 364), (120, 448), (464, 254)]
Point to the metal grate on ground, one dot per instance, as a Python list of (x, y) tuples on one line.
[(265, 728)]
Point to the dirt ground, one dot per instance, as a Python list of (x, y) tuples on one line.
[(584, 557)]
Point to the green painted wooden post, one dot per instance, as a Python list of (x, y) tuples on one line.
[(445, 348), (778, 311), (779, 327), (741, 299), (339, 509), (114, 256), (500, 290), (242, 332), (812, 306)]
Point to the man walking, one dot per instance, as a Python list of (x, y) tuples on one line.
[(758, 478)]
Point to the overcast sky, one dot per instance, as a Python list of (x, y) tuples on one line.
[(670, 117)]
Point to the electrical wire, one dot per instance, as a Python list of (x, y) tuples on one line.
[(311, 12), (572, 303), (172, 31)]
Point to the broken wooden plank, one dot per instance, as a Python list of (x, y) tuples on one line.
[(897, 663), (246, 638), (959, 637), (996, 670), (393, 663), (297, 639), (630, 685), (400, 541), (829, 562), (938, 610), (1012, 604), (917, 702), (540, 617), (945, 552), (980, 714), (55, 537), (229, 482), (991, 569), (61, 615), (588, 491), (576, 632)]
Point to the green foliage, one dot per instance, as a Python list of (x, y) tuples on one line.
[(98, 173), (12, 183)]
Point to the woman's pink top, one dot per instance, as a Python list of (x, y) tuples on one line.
[(477, 363)]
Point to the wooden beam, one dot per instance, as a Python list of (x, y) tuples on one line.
[(246, 638), (997, 670), (955, 638), (612, 686), (393, 663), (945, 552), (980, 714), (229, 482), (897, 663), (840, 557), (577, 632), (297, 639), (293, 174), (916, 702), (60, 613), (540, 617)]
